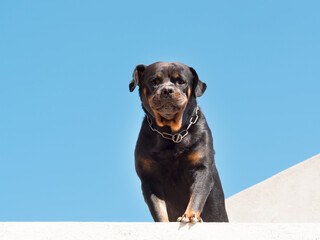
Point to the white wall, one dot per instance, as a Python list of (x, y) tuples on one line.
[(290, 196)]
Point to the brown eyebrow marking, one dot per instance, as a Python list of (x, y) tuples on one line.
[(159, 75), (176, 75)]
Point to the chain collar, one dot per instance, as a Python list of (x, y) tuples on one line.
[(177, 137)]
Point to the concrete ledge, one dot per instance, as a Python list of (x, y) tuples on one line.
[(154, 231)]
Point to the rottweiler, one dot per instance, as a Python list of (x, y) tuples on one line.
[(174, 155)]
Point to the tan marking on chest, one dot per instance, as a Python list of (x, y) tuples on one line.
[(196, 156), (146, 164)]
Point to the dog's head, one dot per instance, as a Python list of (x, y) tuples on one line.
[(166, 89)]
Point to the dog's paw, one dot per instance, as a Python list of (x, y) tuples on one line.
[(189, 218)]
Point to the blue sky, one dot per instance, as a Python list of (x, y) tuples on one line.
[(68, 123)]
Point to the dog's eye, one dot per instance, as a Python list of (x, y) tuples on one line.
[(155, 81), (180, 81)]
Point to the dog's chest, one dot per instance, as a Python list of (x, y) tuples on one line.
[(172, 165)]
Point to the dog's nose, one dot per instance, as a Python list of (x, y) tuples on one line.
[(167, 91)]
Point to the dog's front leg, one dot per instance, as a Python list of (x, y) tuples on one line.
[(200, 189), (153, 197)]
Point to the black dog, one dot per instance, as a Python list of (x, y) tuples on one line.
[(174, 153)]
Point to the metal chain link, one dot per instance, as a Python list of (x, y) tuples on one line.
[(177, 137)]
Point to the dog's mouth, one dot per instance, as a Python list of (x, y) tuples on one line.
[(167, 109), (168, 112)]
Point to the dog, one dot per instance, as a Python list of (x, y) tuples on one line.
[(174, 155)]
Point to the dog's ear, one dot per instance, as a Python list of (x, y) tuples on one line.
[(136, 76), (198, 86)]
